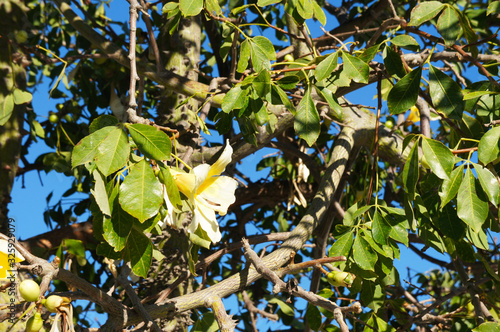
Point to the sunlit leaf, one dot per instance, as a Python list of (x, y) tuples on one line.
[(410, 171), (355, 69), (236, 98), (117, 228), (363, 254), (325, 67), (489, 146), (342, 245), (113, 152), (261, 52), (86, 149), (100, 194), (6, 109), (449, 26), (380, 229), (190, 7), (449, 188), (141, 194), (307, 121), (439, 157), (424, 12), (472, 209), (445, 93), (489, 183), (151, 141)]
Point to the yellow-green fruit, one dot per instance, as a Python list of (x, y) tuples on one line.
[(21, 36), (389, 123), (53, 302), (340, 278), (53, 118), (30, 291), (60, 107), (289, 58), (35, 323)]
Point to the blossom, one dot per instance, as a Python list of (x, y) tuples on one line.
[(8, 257), (208, 192)]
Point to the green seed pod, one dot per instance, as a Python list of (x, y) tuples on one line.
[(35, 323), (340, 278), (30, 291)]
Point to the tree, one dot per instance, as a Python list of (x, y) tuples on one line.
[(349, 183)]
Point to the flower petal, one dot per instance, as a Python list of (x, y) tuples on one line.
[(205, 217), (201, 173), (4, 248), (220, 195), (220, 165), (186, 182)]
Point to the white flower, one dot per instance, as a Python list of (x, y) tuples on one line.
[(208, 192), (8, 257)]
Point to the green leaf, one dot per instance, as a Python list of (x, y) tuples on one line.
[(141, 195), (449, 223), (493, 7), (206, 324), (380, 229), (305, 9), (244, 56), (369, 53), (172, 190), (405, 41), (404, 94), (372, 295), (151, 141), (476, 94), (489, 146), (318, 12), (139, 250), (450, 186), (262, 83), (489, 183), (342, 245), (488, 326), (113, 152), (448, 25), (307, 121), (261, 52), (471, 208), (288, 82), (190, 7), (424, 12), (355, 69), (331, 100), (393, 62), (439, 157), (100, 194), (445, 93), (410, 171), (283, 97), (21, 97), (87, 148), (235, 99), (213, 7), (399, 226), (285, 307), (325, 67), (263, 3), (313, 316), (117, 228), (6, 109), (103, 121), (363, 254)]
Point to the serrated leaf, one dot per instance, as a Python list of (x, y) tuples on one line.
[(117, 228), (190, 7), (448, 25), (285, 307), (439, 157), (113, 152), (151, 141), (450, 186), (489, 183), (325, 67), (445, 93), (307, 121), (404, 94), (261, 52), (489, 146), (355, 69), (100, 194), (380, 229), (424, 12), (139, 250), (470, 207), (141, 194), (318, 12), (342, 245), (21, 97), (86, 149), (363, 254), (6, 109), (410, 171)]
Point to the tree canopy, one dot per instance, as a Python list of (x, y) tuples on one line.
[(157, 113)]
